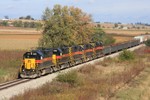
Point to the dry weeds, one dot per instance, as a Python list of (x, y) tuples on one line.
[(10, 62)]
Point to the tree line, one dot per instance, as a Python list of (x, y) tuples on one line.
[(24, 24)]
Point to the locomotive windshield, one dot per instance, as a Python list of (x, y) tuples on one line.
[(57, 52), (31, 55)]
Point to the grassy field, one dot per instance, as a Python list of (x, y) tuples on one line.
[(10, 61), (101, 81)]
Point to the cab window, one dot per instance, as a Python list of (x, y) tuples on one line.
[(31, 55)]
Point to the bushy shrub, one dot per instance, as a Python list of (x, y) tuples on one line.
[(4, 23), (147, 42), (109, 40), (126, 55), (70, 77)]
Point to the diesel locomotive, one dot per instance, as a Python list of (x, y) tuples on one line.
[(47, 60)]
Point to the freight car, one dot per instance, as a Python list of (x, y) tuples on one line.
[(43, 61)]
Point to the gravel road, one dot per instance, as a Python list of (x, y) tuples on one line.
[(19, 89)]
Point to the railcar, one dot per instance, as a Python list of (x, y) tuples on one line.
[(120, 46)]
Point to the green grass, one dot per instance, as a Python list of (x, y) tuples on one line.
[(3, 72)]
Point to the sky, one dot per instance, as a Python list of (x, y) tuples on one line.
[(124, 11)]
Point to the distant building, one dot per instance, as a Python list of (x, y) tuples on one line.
[(125, 28), (5, 19)]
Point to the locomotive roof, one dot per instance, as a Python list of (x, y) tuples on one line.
[(41, 52)]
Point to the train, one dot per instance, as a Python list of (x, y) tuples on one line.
[(43, 61)]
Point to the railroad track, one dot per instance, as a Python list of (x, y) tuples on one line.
[(13, 83)]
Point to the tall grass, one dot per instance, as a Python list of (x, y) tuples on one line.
[(10, 62)]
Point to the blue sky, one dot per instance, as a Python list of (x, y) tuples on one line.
[(125, 11)]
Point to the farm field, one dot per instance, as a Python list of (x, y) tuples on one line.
[(18, 38), (121, 38), (17, 43), (126, 32), (16, 30), (12, 38)]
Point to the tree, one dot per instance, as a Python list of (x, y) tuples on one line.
[(65, 26), (99, 25), (116, 25), (46, 14), (38, 26), (99, 35), (17, 23), (4, 23), (26, 24), (28, 17), (6, 17), (21, 17), (147, 42)]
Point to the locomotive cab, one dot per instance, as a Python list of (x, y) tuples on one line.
[(30, 59), (57, 53), (98, 44)]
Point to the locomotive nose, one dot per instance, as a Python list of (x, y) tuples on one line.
[(29, 63)]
